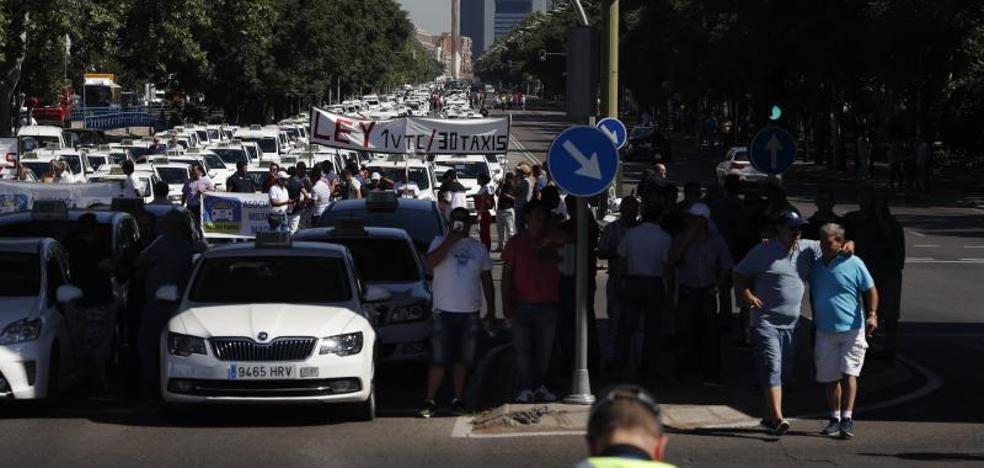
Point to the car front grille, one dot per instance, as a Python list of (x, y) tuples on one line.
[(247, 350)]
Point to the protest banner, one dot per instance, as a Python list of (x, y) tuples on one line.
[(20, 196), (234, 215)]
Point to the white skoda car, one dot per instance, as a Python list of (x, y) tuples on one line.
[(273, 322)]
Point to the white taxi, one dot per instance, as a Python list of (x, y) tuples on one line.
[(274, 322)]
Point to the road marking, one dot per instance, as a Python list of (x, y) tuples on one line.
[(916, 233), (973, 246), (975, 260), (522, 149), (926, 246), (964, 261)]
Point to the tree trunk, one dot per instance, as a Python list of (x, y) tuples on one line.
[(10, 69)]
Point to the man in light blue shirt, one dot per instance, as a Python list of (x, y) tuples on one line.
[(837, 284)]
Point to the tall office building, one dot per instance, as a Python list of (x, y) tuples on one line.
[(487, 20)]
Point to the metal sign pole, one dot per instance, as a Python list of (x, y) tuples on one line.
[(581, 382)]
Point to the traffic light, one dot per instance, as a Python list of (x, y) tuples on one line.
[(776, 113)]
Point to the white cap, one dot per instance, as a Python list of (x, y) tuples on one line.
[(283, 175), (375, 176), (699, 209)]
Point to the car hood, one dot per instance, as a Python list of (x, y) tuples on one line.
[(13, 309), (273, 319)]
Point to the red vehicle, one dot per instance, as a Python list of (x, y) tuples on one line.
[(59, 115)]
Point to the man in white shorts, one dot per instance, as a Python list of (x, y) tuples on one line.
[(837, 284)]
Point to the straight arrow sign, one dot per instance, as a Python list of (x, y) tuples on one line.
[(589, 166)]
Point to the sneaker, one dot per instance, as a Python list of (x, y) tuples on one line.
[(780, 427), (429, 409), (833, 428), (525, 396), (458, 407), (847, 429), (544, 395)]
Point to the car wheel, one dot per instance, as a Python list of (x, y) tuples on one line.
[(365, 411)]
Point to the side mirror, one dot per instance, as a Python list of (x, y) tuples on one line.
[(376, 294), (67, 293), (167, 293)]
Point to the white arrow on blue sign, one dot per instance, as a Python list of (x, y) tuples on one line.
[(772, 150), (583, 161), (615, 130)]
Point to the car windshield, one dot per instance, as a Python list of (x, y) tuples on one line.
[(400, 264), (741, 156), (492, 158), (230, 156), (143, 189), (252, 152), (31, 143), (641, 132), (19, 274), (467, 170), (74, 162), (138, 151), (422, 226), (95, 162), (267, 145), (173, 175), (202, 135), (213, 162), (214, 134), (39, 168), (292, 132), (118, 158), (258, 177), (60, 230), (418, 175), (271, 279)]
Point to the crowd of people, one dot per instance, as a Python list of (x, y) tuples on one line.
[(681, 261)]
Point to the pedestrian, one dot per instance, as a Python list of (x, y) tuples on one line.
[(156, 147), (406, 188), (881, 245), (530, 297), (462, 276), (771, 280), (299, 190), (837, 284), (642, 256), (280, 202), (165, 262), (328, 173), (505, 215), (161, 191), (173, 144), (354, 187), (484, 206), (611, 237), (702, 262), (240, 181), (271, 178), (726, 216), (451, 193), (824, 201), (321, 195), (565, 350), (130, 183), (540, 180), (191, 193), (624, 430), (525, 186)]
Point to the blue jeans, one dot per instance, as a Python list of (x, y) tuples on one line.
[(454, 337), (775, 351), (533, 328), (643, 299)]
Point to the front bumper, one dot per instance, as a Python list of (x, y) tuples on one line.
[(24, 370), (205, 379)]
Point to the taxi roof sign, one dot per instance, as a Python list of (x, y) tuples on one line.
[(273, 240), (49, 209), (132, 206), (349, 227), (382, 200)]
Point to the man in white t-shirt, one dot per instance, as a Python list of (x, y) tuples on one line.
[(130, 183), (279, 202), (462, 273), (406, 189), (643, 255)]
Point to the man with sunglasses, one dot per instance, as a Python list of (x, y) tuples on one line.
[(771, 280), (624, 430)]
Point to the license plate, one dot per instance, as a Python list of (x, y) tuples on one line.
[(261, 371)]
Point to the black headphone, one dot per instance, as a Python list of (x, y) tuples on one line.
[(627, 392)]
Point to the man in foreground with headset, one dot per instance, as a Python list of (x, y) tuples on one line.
[(624, 430)]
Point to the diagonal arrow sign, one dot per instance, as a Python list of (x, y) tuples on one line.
[(611, 134), (589, 166), (774, 146)]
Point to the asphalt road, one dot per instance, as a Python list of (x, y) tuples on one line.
[(943, 333)]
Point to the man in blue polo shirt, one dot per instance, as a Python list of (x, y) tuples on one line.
[(837, 284)]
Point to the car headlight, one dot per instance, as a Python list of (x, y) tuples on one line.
[(21, 331), (185, 345), (410, 313), (342, 345)]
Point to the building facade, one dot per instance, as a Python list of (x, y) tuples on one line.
[(487, 20)]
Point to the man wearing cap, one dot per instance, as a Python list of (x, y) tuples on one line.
[(703, 262), (771, 280), (279, 202), (240, 181), (624, 430)]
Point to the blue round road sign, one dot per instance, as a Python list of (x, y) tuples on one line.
[(583, 161), (615, 130), (772, 150)]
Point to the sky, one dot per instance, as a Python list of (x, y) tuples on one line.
[(433, 16)]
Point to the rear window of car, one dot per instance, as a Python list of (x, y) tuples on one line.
[(271, 279), (421, 225), (20, 275), (399, 262)]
